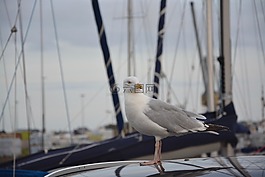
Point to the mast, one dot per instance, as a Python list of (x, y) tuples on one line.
[(14, 29), (225, 53), (202, 60), (210, 85), (262, 104), (107, 60), (159, 49), (24, 76), (130, 43), (42, 79)]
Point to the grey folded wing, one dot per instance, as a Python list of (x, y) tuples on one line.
[(172, 118)]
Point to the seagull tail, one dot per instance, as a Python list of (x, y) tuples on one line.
[(215, 128)]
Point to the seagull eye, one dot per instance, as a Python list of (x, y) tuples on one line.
[(129, 82)]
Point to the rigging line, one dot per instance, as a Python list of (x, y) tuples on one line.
[(237, 36), (177, 45), (147, 35), (203, 23), (198, 44), (189, 72), (247, 89), (240, 92), (12, 30), (199, 77), (172, 17), (172, 91), (121, 39), (259, 63), (8, 16), (245, 82), (138, 32), (148, 39), (259, 31), (4, 49), (6, 87), (241, 95), (28, 102), (91, 99), (15, 90), (136, 40), (121, 61), (61, 71), (260, 39), (178, 41), (263, 11), (190, 81), (243, 89), (18, 62), (24, 74)]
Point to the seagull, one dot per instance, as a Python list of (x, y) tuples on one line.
[(156, 118)]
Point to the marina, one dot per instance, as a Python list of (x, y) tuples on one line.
[(42, 134)]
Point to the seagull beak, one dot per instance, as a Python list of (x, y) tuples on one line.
[(138, 86)]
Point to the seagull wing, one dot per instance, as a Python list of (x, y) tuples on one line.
[(174, 119)]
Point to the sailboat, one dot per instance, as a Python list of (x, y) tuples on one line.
[(133, 145)]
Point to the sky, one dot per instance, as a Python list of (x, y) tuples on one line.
[(83, 65)]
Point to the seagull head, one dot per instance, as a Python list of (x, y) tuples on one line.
[(132, 85)]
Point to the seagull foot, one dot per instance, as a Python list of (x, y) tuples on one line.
[(157, 164)]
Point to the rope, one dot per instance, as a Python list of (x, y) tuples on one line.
[(4, 49), (259, 31), (18, 60), (176, 49), (237, 35), (6, 85), (13, 29), (61, 71)]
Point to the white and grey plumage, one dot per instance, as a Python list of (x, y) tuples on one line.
[(156, 118)]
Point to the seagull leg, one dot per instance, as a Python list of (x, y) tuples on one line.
[(157, 158)]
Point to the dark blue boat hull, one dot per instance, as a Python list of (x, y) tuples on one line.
[(131, 146)]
